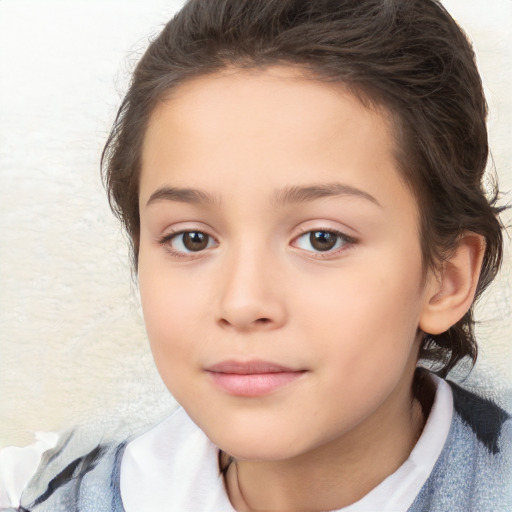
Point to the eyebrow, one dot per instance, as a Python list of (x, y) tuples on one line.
[(181, 195), (288, 195), (301, 194)]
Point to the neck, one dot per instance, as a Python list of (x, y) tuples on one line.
[(336, 474)]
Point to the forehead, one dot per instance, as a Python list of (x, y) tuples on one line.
[(263, 129)]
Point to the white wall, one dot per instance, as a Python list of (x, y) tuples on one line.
[(72, 343)]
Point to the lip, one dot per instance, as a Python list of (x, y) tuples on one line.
[(251, 378)]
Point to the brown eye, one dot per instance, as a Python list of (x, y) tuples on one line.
[(187, 242), (323, 240), (195, 240)]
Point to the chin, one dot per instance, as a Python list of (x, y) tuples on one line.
[(258, 447)]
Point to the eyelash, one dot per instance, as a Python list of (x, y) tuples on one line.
[(346, 242), (165, 242)]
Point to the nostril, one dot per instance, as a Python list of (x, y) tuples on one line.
[(257, 322)]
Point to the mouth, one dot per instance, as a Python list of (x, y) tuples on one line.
[(252, 378)]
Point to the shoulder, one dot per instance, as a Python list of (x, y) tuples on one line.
[(84, 472), (474, 470), (173, 466), (78, 465), (488, 422)]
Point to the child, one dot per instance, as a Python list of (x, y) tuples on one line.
[(302, 186)]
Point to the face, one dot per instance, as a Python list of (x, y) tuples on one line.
[(279, 266)]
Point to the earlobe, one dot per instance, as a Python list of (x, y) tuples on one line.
[(450, 292)]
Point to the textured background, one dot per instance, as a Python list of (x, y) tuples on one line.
[(72, 342)]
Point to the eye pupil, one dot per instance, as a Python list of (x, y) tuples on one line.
[(322, 240), (195, 241)]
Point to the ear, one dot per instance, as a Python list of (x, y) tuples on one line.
[(451, 290)]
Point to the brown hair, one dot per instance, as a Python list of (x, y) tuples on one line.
[(408, 56)]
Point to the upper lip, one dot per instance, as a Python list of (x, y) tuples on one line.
[(248, 367)]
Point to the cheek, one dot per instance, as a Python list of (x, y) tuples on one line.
[(364, 316), (169, 330), (169, 299), (168, 307), (363, 343)]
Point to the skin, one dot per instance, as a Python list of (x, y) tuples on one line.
[(348, 318)]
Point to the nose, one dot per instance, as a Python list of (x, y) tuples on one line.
[(251, 295)]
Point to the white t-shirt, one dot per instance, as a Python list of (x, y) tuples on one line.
[(160, 469)]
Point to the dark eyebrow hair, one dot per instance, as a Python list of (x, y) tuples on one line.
[(300, 194), (285, 196), (182, 195)]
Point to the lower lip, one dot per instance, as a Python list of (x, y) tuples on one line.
[(254, 384)]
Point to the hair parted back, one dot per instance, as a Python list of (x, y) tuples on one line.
[(408, 57)]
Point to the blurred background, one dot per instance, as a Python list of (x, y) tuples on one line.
[(72, 344)]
